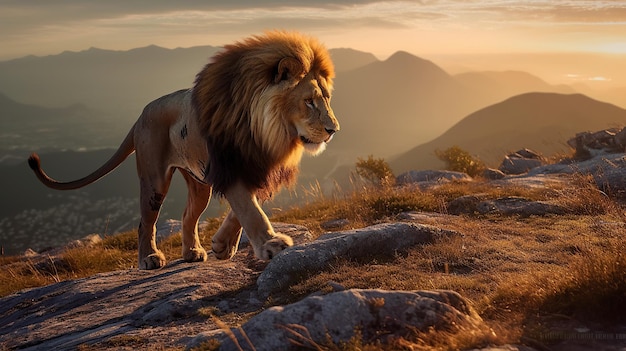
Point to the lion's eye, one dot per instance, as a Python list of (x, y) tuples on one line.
[(309, 103)]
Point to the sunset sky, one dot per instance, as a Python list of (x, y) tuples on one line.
[(422, 27)]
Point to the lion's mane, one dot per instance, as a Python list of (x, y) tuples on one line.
[(243, 111)]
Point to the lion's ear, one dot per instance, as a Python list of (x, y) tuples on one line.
[(288, 68)]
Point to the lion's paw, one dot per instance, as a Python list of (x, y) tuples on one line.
[(195, 255), (154, 261), (223, 251), (275, 245)]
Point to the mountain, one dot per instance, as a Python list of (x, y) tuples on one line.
[(504, 84), (31, 127), (102, 79), (539, 121), (389, 106), (346, 59), (384, 107), (119, 81)]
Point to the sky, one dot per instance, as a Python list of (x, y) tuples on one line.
[(422, 27)]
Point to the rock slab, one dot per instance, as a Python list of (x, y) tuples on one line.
[(379, 315), (383, 239)]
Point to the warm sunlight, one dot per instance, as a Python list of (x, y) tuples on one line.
[(381, 27)]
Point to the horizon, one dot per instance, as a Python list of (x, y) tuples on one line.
[(454, 34), (423, 27)]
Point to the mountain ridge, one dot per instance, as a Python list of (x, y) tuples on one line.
[(540, 121)]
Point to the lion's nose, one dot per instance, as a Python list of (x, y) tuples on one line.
[(330, 131)]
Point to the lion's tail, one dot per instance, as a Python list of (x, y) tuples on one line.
[(126, 149)]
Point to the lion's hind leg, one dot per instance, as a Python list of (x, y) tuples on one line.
[(198, 198), (226, 240), (153, 189)]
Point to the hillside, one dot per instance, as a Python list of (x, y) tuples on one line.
[(525, 263), (36, 217), (102, 79), (26, 127), (539, 121)]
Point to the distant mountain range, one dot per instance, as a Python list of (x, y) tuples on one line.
[(540, 121), (385, 107)]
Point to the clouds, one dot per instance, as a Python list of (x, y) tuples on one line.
[(51, 26)]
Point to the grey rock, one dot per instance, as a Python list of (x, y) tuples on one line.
[(380, 315), (507, 347), (519, 206), (382, 239), (436, 176), (493, 174), (594, 143), (517, 165), (467, 204), (335, 224), (86, 311), (527, 153), (620, 139), (608, 171)]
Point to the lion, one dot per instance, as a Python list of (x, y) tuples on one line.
[(239, 132)]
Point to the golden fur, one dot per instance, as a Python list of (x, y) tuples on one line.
[(241, 131)]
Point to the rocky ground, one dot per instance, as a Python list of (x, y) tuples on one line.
[(170, 307), (186, 305)]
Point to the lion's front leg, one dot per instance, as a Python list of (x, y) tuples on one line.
[(265, 242)]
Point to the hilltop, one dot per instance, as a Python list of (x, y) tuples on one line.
[(436, 264)]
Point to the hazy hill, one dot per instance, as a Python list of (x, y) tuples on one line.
[(122, 81), (540, 121), (504, 84), (31, 127), (390, 106), (104, 79), (348, 59), (31, 212)]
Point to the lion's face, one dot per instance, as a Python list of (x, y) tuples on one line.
[(313, 120)]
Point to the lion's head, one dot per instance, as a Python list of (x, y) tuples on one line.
[(261, 103)]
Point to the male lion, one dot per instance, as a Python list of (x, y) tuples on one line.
[(240, 131)]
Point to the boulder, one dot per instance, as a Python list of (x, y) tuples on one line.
[(589, 144), (467, 204), (519, 206), (528, 154), (430, 177), (520, 162), (378, 315), (493, 174), (518, 165), (620, 139), (607, 170), (385, 239)]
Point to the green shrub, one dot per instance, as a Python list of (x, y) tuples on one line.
[(459, 160), (375, 171)]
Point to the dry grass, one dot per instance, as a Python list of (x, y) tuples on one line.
[(518, 272)]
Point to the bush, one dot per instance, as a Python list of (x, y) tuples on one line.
[(459, 160), (375, 171)]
